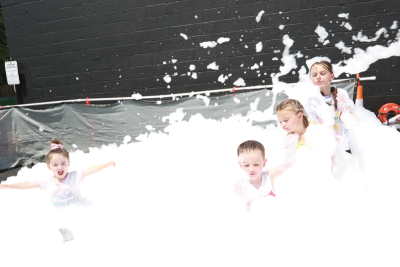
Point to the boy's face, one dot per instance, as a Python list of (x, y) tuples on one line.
[(252, 163), (59, 166)]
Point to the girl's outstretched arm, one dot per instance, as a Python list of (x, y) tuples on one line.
[(97, 168), (22, 185)]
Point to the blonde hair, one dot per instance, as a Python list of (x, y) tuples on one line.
[(328, 66), (250, 146), (296, 107), (61, 150)]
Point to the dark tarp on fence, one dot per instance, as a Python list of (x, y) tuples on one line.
[(25, 133)]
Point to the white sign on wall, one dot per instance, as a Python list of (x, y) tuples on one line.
[(12, 72)]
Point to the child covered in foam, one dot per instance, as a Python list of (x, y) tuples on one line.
[(258, 183), (321, 143), (62, 186), (342, 108), (373, 146)]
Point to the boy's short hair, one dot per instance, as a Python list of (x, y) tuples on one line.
[(250, 146)]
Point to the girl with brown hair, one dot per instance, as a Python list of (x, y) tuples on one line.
[(342, 107)]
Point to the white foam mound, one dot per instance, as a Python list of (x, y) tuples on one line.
[(171, 196), (169, 201)]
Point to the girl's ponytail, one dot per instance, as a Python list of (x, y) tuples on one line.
[(334, 95)]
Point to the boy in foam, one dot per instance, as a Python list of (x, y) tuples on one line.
[(62, 186), (259, 184)]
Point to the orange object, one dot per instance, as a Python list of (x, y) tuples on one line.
[(386, 109), (234, 89), (359, 92), (359, 98), (87, 101)]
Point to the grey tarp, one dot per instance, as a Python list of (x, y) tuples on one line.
[(25, 133)]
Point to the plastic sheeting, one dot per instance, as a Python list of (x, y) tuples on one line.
[(25, 134)]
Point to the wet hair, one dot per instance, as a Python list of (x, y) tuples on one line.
[(296, 107), (328, 66), (61, 151), (250, 146)]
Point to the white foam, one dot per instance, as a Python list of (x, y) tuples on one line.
[(192, 67), (259, 47), (299, 54), (205, 99), (255, 66), (222, 40), (341, 45), (222, 78), (137, 96), (213, 66), (258, 18), (184, 36), (210, 44), (362, 59), (394, 25), (149, 127), (362, 38), (237, 100), (174, 60), (322, 33), (343, 15), (194, 75), (239, 82), (288, 60), (169, 200), (348, 26), (174, 117), (167, 78), (127, 139)]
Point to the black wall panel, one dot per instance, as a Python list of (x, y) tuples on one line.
[(93, 48)]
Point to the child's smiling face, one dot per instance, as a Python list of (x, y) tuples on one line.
[(252, 163), (59, 166)]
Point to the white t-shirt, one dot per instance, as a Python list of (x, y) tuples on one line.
[(67, 192), (264, 190)]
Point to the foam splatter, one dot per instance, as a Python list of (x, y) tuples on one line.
[(213, 66), (240, 82), (322, 33), (258, 18)]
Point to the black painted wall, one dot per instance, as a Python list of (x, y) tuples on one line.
[(92, 48)]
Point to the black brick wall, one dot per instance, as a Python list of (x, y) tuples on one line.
[(93, 48)]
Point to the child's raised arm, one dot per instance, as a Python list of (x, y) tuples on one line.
[(97, 168), (22, 185)]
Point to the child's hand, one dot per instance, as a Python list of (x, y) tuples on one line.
[(3, 186), (240, 188), (110, 163)]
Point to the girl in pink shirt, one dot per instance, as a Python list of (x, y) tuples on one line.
[(62, 186)]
